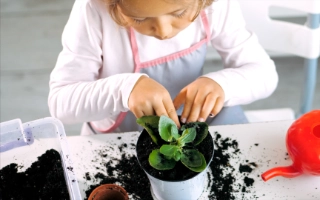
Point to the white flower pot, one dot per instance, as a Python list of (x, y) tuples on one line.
[(178, 190), (187, 189)]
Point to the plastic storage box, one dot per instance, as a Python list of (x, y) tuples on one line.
[(23, 143)]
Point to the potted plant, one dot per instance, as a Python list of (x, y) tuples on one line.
[(174, 159)]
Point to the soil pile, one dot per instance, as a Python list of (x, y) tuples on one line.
[(44, 179)]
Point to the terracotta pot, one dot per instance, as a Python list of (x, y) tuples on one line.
[(109, 192)]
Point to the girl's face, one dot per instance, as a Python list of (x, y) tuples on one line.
[(162, 19)]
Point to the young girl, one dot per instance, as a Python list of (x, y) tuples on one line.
[(124, 59)]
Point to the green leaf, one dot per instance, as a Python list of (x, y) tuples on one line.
[(188, 135), (159, 162), (150, 124), (175, 131), (202, 132), (168, 149), (183, 127), (171, 151), (177, 155), (168, 129), (193, 159)]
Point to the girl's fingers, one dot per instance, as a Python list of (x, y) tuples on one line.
[(201, 98), (217, 107), (189, 100), (179, 99), (171, 111), (145, 111), (207, 107), (166, 107), (197, 107), (138, 113)]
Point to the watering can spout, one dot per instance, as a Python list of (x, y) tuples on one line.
[(288, 172)]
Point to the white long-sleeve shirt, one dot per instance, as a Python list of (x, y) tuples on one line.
[(93, 76)]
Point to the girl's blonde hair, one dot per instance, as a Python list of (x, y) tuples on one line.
[(117, 17)]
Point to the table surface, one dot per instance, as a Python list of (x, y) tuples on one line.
[(261, 143)]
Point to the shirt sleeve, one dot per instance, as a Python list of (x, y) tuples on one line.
[(249, 74), (77, 93)]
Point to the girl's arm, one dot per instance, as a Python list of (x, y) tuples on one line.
[(77, 92), (249, 74)]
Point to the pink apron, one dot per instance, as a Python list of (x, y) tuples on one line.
[(174, 72)]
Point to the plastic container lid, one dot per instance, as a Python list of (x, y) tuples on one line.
[(23, 143)]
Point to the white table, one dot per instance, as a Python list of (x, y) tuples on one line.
[(262, 143)]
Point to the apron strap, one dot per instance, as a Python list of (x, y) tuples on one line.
[(135, 51), (206, 25)]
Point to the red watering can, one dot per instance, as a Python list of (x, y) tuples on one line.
[(303, 145)]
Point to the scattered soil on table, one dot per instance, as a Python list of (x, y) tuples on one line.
[(127, 173), (223, 178), (247, 167), (44, 179)]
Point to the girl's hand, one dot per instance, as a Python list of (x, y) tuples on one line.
[(202, 97), (148, 97)]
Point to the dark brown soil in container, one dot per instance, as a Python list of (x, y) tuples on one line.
[(44, 179)]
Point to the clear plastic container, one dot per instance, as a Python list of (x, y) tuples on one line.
[(24, 143)]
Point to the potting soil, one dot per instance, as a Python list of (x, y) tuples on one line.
[(223, 183), (179, 172), (44, 179)]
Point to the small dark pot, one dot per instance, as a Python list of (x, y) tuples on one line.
[(109, 192)]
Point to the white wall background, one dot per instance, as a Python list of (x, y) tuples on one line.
[(275, 12)]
